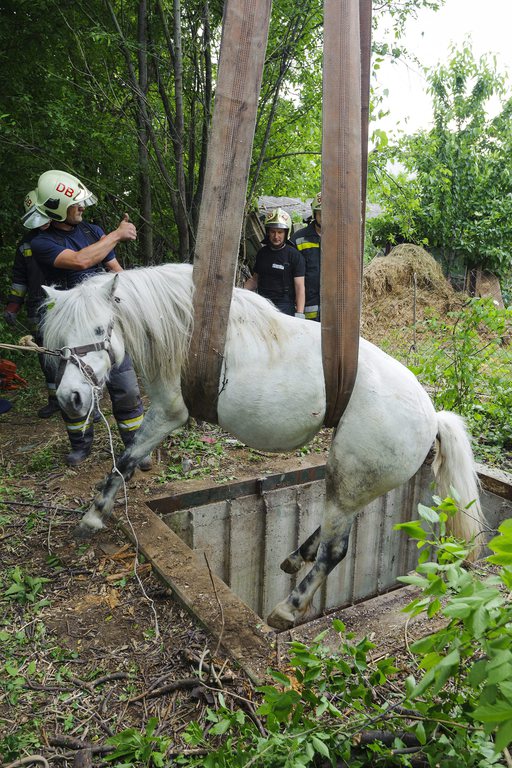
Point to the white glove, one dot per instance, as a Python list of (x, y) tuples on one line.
[(301, 315)]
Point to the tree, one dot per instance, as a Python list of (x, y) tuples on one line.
[(122, 96), (458, 194)]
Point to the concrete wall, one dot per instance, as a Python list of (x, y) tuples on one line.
[(246, 537)]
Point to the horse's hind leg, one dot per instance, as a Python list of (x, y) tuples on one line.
[(306, 553), (329, 543), (330, 553)]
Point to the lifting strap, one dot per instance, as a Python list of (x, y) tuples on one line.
[(242, 54), (343, 160)]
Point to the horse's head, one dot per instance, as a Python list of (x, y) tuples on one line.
[(80, 325)]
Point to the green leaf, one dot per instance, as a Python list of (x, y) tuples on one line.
[(428, 514), (493, 713), (503, 736), (412, 529), (319, 746)]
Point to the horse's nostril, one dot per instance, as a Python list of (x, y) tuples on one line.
[(77, 400)]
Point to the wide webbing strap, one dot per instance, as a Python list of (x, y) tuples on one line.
[(365, 22), (242, 55), (341, 203)]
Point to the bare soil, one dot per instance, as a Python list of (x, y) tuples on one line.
[(110, 647)]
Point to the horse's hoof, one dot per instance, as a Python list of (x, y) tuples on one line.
[(292, 564), (281, 618), (83, 533)]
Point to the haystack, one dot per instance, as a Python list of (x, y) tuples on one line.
[(396, 272), (400, 289)]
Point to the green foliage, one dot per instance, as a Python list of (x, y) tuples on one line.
[(22, 588), (464, 366), (43, 459), (455, 710), (192, 453), (456, 192), (135, 748), (91, 121)]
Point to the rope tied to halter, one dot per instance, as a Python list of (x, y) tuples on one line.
[(71, 354)]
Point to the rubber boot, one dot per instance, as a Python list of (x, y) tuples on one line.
[(81, 446), (51, 407), (146, 463)]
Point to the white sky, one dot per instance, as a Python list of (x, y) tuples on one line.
[(488, 24)]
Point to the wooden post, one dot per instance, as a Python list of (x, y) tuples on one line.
[(341, 203), (242, 54)]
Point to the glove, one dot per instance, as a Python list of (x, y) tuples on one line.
[(301, 315), (10, 317)]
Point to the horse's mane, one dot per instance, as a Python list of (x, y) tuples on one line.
[(154, 314)]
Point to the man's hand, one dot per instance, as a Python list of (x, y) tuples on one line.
[(126, 230)]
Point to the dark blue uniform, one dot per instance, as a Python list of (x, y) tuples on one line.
[(276, 270), (308, 242), (49, 244), (27, 279)]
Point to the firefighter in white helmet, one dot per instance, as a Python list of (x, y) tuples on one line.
[(26, 291), (278, 272), (308, 242), (70, 251)]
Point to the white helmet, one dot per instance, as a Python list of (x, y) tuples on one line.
[(57, 190), (278, 219), (316, 203), (32, 219)]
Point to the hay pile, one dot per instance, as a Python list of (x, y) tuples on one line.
[(400, 289)]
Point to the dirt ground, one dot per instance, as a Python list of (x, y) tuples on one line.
[(109, 647)]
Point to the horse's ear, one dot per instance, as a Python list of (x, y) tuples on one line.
[(109, 287), (114, 285), (51, 292)]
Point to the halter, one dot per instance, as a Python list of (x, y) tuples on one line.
[(74, 355)]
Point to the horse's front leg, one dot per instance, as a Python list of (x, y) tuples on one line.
[(162, 418)]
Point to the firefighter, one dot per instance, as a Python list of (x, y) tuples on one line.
[(69, 251), (278, 272), (308, 242), (26, 290)]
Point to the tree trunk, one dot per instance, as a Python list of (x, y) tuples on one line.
[(146, 226)]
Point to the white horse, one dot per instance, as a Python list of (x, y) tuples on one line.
[(272, 398)]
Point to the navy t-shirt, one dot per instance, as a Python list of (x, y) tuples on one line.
[(47, 245), (276, 270)]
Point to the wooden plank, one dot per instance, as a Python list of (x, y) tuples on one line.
[(254, 486), (495, 481), (242, 633)]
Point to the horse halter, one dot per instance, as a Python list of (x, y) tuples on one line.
[(74, 355)]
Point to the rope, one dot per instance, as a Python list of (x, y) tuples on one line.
[(30, 346)]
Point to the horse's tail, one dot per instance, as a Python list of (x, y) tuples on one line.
[(455, 472)]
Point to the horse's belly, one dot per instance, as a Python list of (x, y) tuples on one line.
[(272, 412)]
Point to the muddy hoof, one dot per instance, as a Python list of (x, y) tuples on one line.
[(83, 533), (292, 565), (281, 619)]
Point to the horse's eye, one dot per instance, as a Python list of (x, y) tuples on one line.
[(99, 331)]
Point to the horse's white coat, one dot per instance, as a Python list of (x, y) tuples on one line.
[(272, 397)]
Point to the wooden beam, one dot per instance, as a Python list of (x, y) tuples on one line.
[(241, 632)]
